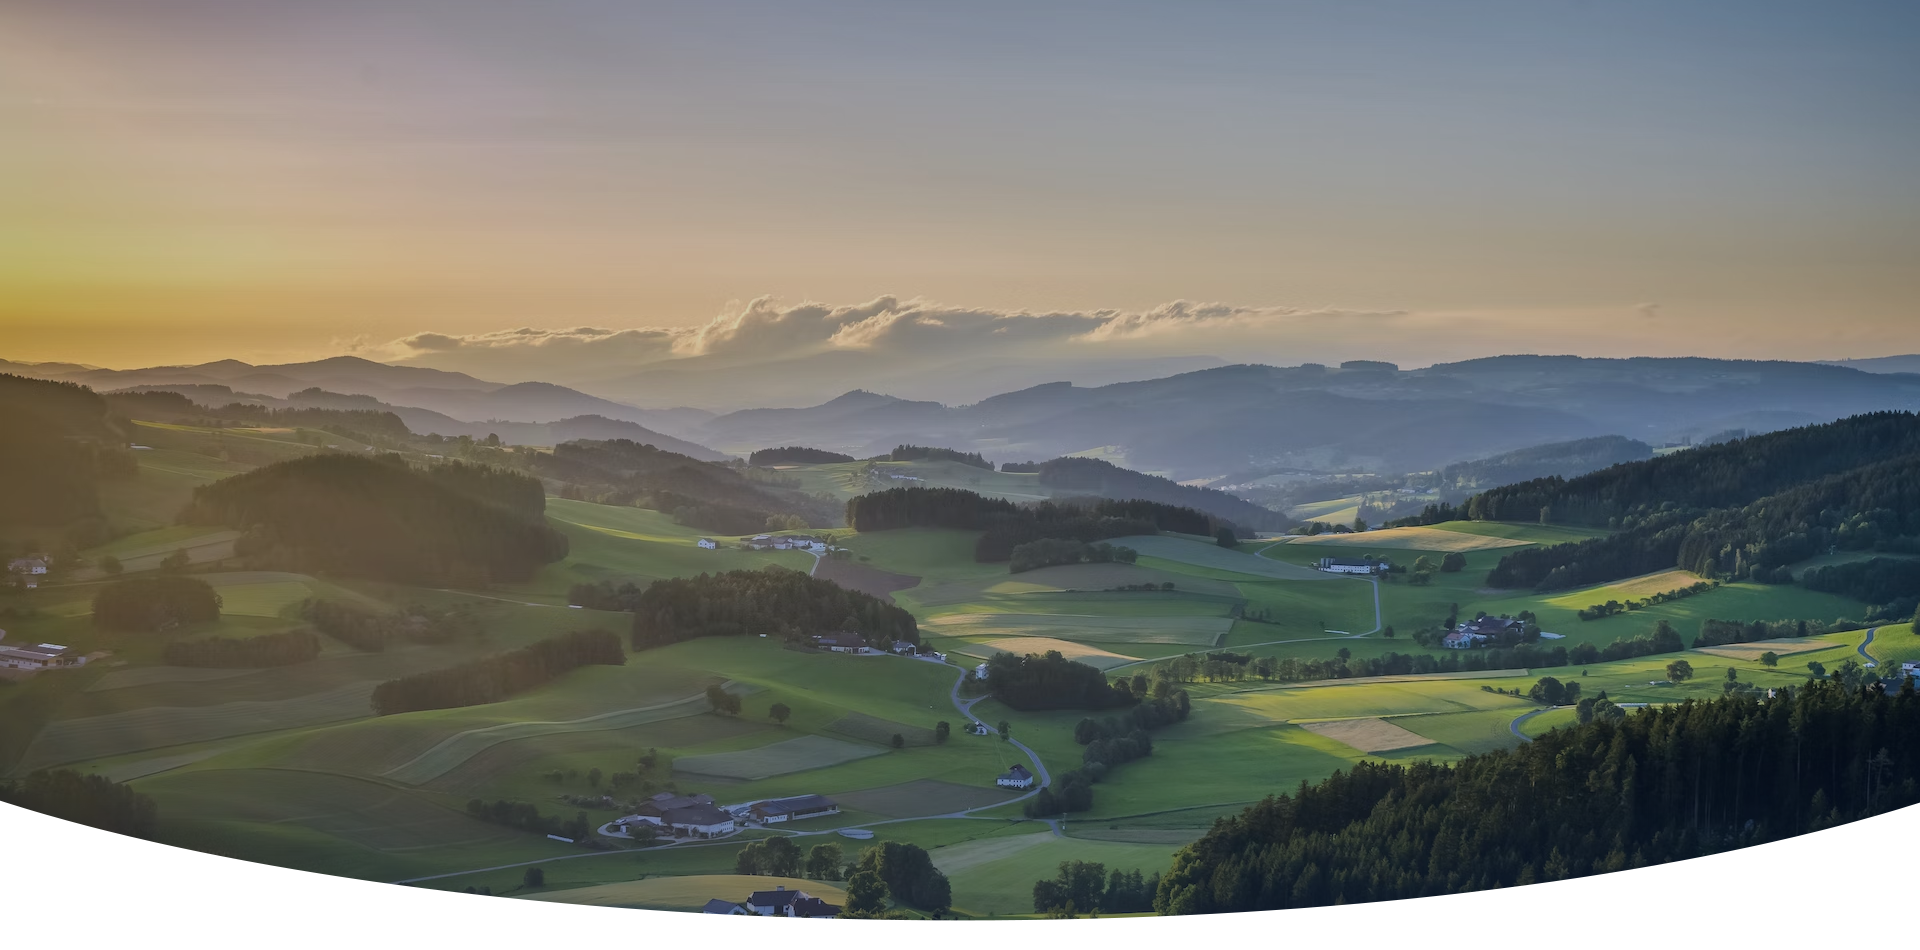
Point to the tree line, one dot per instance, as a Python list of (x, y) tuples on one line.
[(1008, 526), (1051, 552), (795, 455), (774, 601), (929, 453), (370, 631), (494, 678), (273, 649), (155, 602), (1663, 784), (1087, 887), (362, 517), (92, 800), (1890, 586), (527, 817), (1101, 477)]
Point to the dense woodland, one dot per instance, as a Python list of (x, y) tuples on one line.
[(1662, 784), (87, 799), (494, 678), (1051, 681), (1048, 552), (1876, 507), (273, 649), (773, 601), (371, 630), (795, 455), (928, 453), (57, 441), (1561, 459), (381, 518), (155, 602), (1729, 475), (1891, 585), (704, 495), (1007, 526)]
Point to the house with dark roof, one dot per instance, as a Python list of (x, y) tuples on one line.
[(773, 902), (725, 908), (813, 908), (1016, 777), (658, 805), (698, 821), (793, 809)]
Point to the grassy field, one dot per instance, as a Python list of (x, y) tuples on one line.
[(1413, 539), (612, 543), (688, 893), (1086, 628), (994, 877), (1332, 510)]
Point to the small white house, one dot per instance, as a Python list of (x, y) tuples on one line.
[(33, 566), (1016, 777), (707, 543), (980, 672)]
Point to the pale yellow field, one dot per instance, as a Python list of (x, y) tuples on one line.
[(1368, 735), (1092, 656), (1633, 588), (1414, 539), (960, 857), (1750, 652)]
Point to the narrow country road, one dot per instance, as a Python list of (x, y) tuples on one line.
[(1863, 647)]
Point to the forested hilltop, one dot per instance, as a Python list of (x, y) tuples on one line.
[(57, 441), (1851, 485), (1662, 784), (381, 518), (1008, 525)]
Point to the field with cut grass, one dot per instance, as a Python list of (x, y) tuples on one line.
[(1079, 652), (1367, 735), (1084, 628), (1206, 554), (780, 758)]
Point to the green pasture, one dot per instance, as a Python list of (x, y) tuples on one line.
[(613, 543), (1331, 510), (995, 876)]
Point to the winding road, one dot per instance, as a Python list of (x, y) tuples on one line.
[(1871, 663)]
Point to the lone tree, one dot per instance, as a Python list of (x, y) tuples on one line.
[(110, 565), (1453, 563), (898, 741), (1679, 671), (941, 730), (779, 712), (1816, 667), (722, 701), (593, 777), (535, 877), (1225, 538), (1769, 659), (1006, 729)]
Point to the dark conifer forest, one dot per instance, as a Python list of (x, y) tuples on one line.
[(157, 602), (1008, 525), (774, 601), (1662, 784), (796, 455), (382, 519)]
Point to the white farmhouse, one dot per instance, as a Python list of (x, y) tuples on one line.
[(1016, 777), (707, 543)]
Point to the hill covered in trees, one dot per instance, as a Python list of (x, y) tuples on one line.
[(795, 455), (772, 602), (1008, 526), (1561, 459), (705, 495), (1103, 478), (381, 518), (1663, 784), (57, 440), (1864, 495)]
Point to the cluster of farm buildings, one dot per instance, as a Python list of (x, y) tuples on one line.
[(1348, 565), (696, 816), (27, 571), (36, 657), (778, 902), (774, 542)]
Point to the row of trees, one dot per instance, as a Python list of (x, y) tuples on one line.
[(497, 677), (1087, 887), (780, 857), (930, 453), (773, 601), (1049, 552), (370, 630), (87, 799), (155, 602), (526, 817), (795, 455), (1613, 607), (273, 649), (1663, 784)]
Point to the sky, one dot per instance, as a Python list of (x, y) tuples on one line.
[(573, 188)]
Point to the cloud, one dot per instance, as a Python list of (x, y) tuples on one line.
[(906, 331)]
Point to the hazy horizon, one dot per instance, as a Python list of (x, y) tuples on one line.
[(275, 181)]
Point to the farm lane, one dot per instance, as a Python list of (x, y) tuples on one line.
[(1863, 648)]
